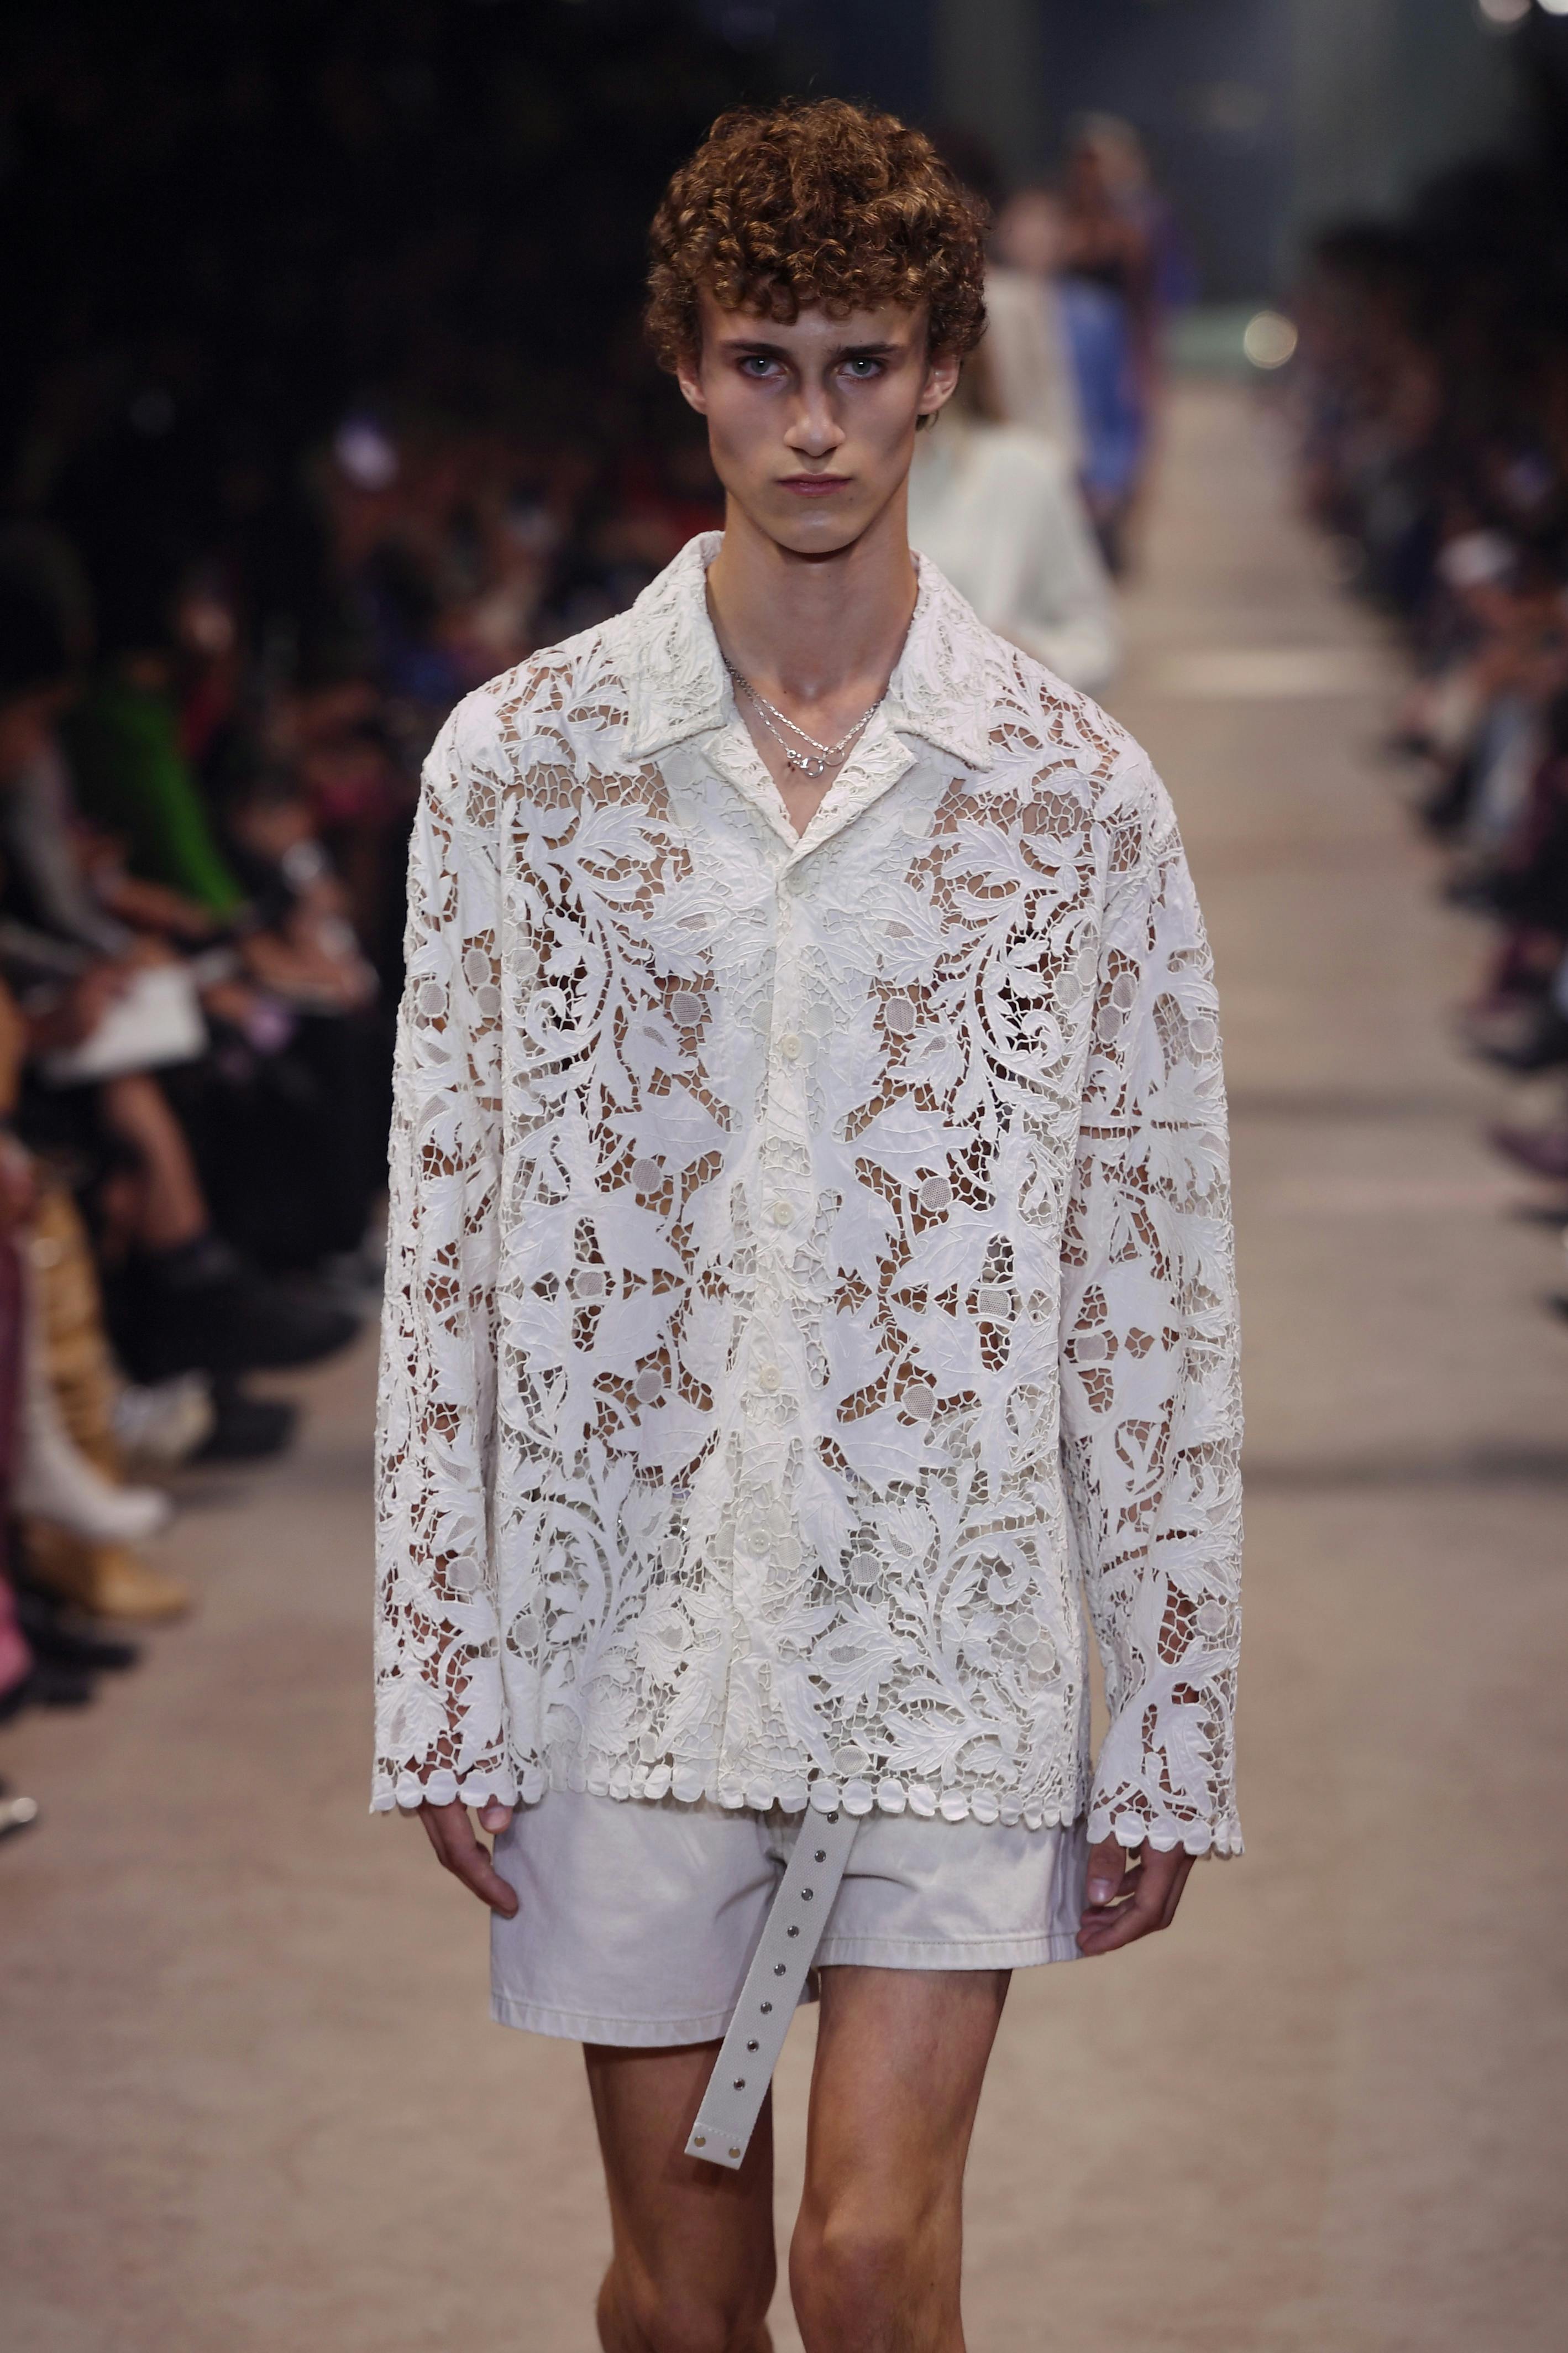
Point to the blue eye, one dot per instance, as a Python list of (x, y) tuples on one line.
[(864, 369)]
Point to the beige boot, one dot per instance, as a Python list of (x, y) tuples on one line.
[(99, 1575), (106, 1580), (69, 1307)]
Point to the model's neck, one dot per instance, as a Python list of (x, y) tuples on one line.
[(815, 626)]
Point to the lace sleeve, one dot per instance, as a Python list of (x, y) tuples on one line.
[(1150, 1398), (440, 1712)]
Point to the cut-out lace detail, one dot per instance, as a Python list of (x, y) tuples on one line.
[(810, 1262)]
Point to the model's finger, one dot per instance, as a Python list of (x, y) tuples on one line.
[(1106, 1928), (1179, 1879), (1109, 1934), (494, 1817), (431, 1822), (451, 1834), (1165, 1870), (478, 1873), (1161, 1874), (467, 1860), (1157, 1890), (1107, 1870)]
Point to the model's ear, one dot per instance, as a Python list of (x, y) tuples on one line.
[(941, 383), (688, 376)]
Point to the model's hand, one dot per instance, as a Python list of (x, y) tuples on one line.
[(451, 1834), (1132, 1893)]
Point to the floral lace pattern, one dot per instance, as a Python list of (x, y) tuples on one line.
[(811, 1263)]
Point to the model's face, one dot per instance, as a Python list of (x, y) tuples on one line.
[(812, 426)]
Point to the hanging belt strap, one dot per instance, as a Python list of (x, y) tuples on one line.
[(774, 1983)]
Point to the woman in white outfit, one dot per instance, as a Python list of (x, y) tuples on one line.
[(998, 510)]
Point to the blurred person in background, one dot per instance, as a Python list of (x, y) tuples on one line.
[(998, 510), (1093, 325), (997, 497), (807, 1076), (1034, 383), (1123, 235), (1031, 367)]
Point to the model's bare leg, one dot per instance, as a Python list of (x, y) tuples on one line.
[(900, 2057), (693, 2266)]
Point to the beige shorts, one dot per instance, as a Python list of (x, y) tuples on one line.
[(636, 1918)]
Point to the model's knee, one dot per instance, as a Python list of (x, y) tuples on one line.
[(864, 2275), (646, 2314), (694, 2326)]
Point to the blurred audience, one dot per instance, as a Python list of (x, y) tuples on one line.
[(1431, 393)]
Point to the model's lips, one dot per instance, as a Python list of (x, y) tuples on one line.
[(814, 486)]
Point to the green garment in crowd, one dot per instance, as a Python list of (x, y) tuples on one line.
[(132, 780)]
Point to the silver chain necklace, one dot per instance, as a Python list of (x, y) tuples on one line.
[(816, 760)]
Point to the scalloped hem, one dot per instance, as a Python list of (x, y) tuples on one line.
[(857, 1798), (692, 1789), (1222, 1840)]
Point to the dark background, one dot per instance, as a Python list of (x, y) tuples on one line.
[(226, 225)]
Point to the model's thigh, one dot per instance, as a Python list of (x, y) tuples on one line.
[(900, 2059), (693, 2259)]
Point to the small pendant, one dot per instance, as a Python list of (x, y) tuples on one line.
[(807, 767)]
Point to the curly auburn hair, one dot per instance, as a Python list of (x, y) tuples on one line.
[(817, 202)]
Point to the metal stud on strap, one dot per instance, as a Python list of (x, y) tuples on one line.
[(774, 1982)]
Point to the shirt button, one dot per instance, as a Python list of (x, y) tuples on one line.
[(784, 1213), (768, 1378), (789, 1046)]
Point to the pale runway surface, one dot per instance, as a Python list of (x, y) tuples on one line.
[(249, 2098)]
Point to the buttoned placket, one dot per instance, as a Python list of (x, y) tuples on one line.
[(774, 1368), (876, 764)]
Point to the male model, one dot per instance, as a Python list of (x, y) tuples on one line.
[(811, 1269)]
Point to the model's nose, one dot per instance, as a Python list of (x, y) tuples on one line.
[(814, 431)]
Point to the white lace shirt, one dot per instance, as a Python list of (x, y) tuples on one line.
[(810, 1258)]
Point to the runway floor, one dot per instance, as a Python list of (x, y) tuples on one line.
[(249, 2098)]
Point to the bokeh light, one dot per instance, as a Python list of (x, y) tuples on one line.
[(1270, 339)]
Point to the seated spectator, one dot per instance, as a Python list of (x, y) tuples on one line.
[(1430, 396), (133, 782), (183, 1297)]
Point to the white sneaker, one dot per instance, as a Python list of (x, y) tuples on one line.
[(55, 1482), (166, 1423)]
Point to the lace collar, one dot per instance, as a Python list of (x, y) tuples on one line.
[(941, 690)]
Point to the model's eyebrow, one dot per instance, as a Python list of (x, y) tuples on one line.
[(747, 344)]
